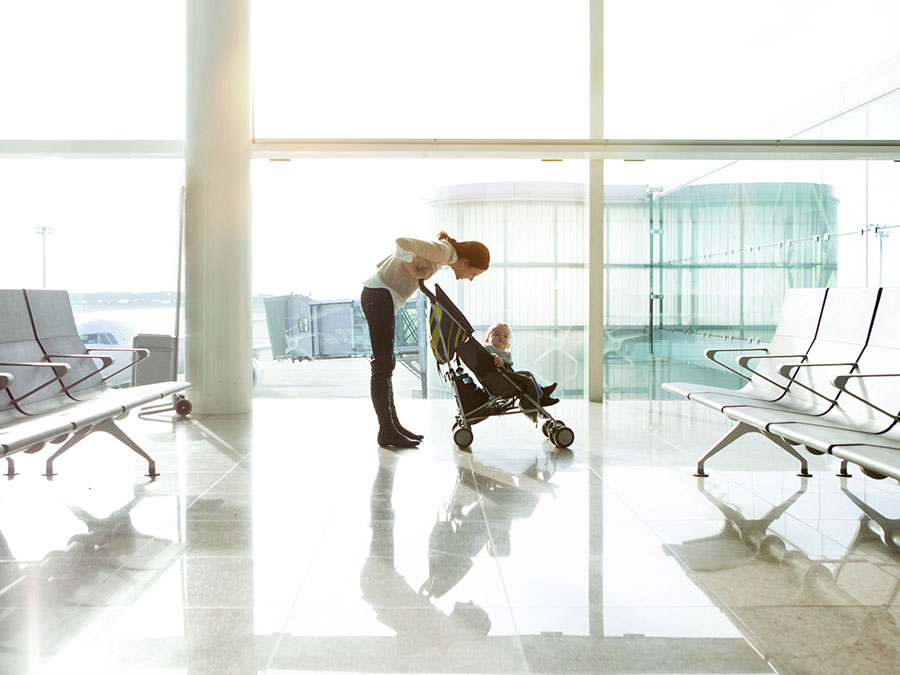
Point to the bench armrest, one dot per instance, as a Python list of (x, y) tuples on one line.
[(840, 382), (785, 371), (59, 371), (711, 355), (744, 362), (5, 380), (105, 362), (141, 352)]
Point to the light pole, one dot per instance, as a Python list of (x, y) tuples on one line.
[(44, 230)]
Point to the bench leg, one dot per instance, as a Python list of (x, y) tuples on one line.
[(844, 473), (788, 448), (726, 440), (73, 439), (113, 429)]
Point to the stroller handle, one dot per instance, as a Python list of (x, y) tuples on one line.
[(425, 290)]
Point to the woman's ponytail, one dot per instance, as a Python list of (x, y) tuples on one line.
[(475, 252)]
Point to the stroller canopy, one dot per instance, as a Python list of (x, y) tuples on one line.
[(447, 327)]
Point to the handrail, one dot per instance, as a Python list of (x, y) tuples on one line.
[(840, 382), (105, 359), (784, 371), (59, 371)]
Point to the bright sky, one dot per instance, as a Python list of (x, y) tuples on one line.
[(466, 68)]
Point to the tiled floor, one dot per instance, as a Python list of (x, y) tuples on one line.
[(286, 541)]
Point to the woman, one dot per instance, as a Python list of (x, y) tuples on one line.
[(385, 293)]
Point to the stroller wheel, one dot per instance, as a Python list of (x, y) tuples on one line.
[(463, 437), (547, 427), (562, 436)]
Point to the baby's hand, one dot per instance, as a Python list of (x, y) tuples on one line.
[(498, 361)]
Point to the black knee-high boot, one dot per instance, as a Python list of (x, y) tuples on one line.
[(399, 427), (388, 435)]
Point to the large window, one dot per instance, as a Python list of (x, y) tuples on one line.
[(321, 226), (93, 69), (692, 246), (412, 69), (744, 68), (705, 264)]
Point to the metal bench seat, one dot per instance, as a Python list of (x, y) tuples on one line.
[(794, 335), (875, 461), (840, 394), (53, 388)]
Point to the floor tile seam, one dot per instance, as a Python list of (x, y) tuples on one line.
[(666, 441), (211, 438), (294, 602), (703, 587), (10, 586), (520, 647), (219, 480), (232, 556), (750, 636)]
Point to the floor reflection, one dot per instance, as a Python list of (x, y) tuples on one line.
[(264, 549), (818, 613), (482, 493), (106, 560), (450, 553)]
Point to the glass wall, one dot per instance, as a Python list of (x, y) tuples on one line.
[(706, 264), (103, 69), (745, 68), (697, 249), (321, 226), (106, 231), (412, 69)]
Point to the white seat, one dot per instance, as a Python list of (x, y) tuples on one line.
[(840, 394), (796, 330), (54, 389)]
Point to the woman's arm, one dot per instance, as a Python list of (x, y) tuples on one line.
[(438, 253), (417, 273)]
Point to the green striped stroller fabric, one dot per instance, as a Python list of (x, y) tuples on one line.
[(440, 323)]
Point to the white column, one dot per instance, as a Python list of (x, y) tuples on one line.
[(217, 210), (595, 215)]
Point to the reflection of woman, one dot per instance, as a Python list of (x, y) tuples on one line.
[(419, 624), (385, 292)]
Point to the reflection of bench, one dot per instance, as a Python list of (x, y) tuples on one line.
[(827, 381), (620, 344), (783, 586), (54, 391)]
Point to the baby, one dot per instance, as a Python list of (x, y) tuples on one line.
[(497, 342)]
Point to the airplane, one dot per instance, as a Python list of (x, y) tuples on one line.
[(117, 328)]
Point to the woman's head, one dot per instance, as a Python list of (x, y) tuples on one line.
[(499, 335), (472, 257)]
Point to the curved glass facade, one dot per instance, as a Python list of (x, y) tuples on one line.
[(686, 269)]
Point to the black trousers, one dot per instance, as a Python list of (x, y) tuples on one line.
[(378, 308)]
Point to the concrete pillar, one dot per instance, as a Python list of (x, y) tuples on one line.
[(218, 329), (595, 215)]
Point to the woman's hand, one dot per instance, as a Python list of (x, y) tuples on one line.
[(498, 361)]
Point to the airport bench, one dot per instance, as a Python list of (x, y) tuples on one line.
[(827, 382), (53, 389)]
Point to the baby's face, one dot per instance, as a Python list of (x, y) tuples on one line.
[(500, 337)]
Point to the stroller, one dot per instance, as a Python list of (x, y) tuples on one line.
[(504, 391)]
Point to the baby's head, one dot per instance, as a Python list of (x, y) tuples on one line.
[(499, 335)]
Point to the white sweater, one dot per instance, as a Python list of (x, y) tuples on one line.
[(393, 275)]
